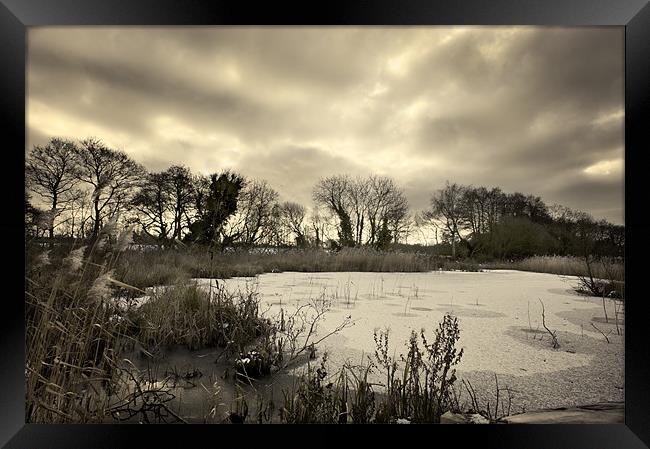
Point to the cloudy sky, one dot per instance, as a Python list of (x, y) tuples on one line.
[(532, 109)]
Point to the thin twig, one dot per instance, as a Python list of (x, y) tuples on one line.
[(600, 332), (552, 333)]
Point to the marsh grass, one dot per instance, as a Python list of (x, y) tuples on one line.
[(186, 314), (73, 333), (567, 266), (315, 399), (76, 329), (78, 326), (420, 390), (318, 397), (166, 266)]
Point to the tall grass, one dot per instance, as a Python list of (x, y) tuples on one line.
[(568, 266), (186, 314), (72, 334), (164, 267), (76, 328)]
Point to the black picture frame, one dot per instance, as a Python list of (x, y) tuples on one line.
[(17, 15)]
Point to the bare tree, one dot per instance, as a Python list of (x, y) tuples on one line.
[(79, 212), (424, 228), (380, 188), (278, 234), (111, 174), (52, 173), (387, 209), (180, 181), (474, 204), (494, 203), (320, 224), (370, 210), (447, 207), (154, 203), (254, 220), (396, 215), (358, 192), (293, 217), (32, 217), (200, 193)]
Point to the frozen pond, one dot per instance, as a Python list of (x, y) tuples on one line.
[(499, 313)]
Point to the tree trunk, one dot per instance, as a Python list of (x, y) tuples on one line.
[(96, 224), (177, 223), (454, 233), (54, 203), (453, 246)]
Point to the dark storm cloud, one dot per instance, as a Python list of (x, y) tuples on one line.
[(296, 169), (537, 110), (601, 198)]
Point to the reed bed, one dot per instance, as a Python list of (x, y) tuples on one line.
[(73, 333), (191, 316), (567, 266), (79, 320), (168, 266)]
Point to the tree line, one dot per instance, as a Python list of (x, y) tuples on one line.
[(492, 223), (81, 185)]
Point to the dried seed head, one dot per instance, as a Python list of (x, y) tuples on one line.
[(75, 259), (100, 289)]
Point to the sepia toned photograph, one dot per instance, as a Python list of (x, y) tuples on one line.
[(297, 225)]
